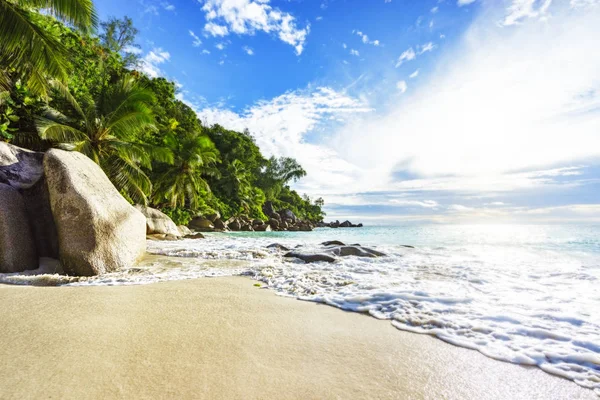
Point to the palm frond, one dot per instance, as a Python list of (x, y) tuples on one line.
[(58, 132), (126, 175), (79, 13), (27, 47)]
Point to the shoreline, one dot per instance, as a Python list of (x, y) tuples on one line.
[(225, 338)]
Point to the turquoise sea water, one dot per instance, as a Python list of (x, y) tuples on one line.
[(526, 294)]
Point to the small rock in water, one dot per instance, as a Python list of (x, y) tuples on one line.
[(407, 246), (278, 247), (195, 236), (310, 258), (162, 236), (344, 251), (333, 243)]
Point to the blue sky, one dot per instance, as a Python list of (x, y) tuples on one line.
[(440, 110)]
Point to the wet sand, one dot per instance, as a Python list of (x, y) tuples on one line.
[(223, 338)]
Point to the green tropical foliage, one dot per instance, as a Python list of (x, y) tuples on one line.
[(43, 55), (106, 130), (150, 144)]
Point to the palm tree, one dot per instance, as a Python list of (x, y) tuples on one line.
[(29, 51), (181, 183), (105, 129)]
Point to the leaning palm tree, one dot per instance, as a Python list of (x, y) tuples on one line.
[(106, 130), (182, 183), (29, 51)]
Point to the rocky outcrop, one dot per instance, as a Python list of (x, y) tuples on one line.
[(288, 215), (219, 224), (338, 224), (98, 230), (330, 253), (344, 251), (17, 245), (270, 212), (20, 168), (310, 258), (201, 224), (162, 236), (23, 170), (37, 202), (158, 222), (195, 236), (184, 230), (278, 246), (333, 243)]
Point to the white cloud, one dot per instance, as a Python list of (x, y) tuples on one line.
[(418, 203), (464, 2), (344, 45), (216, 29), (365, 38), (520, 9), (133, 50), (434, 9), (205, 51), (458, 207), (407, 55), (150, 9), (354, 52), (168, 6), (402, 86), (197, 42), (504, 100), (246, 17), (220, 46), (414, 74), (248, 50), (280, 126), (426, 47), (150, 62), (319, 18)]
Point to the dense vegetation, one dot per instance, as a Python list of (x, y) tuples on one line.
[(73, 89)]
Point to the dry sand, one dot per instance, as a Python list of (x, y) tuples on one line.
[(224, 338)]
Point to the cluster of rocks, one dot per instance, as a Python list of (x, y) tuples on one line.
[(60, 205), (332, 249), (338, 224), (283, 220), (159, 226)]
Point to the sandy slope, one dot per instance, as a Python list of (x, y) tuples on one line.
[(225, 338)]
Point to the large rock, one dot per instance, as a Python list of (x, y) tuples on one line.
[(17, 246), (333, 243), (98, 230), (201, 223), (37, 202), (262, 228), (234, 225), (184, 230), (344, 251), (20, 168), (214, 216), (219, 224), (287, 214), (158, 222), (23, 170), (269, 211), (278, 246), (310, 258), (274, 224)]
